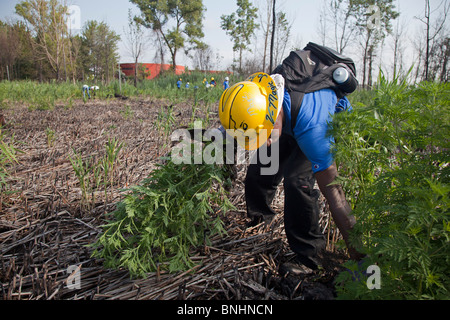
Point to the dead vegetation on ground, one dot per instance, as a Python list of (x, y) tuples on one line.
[(45, 229)]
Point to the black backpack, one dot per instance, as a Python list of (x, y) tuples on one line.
[(311, 69)]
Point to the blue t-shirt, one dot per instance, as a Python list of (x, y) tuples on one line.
[(311, 127)]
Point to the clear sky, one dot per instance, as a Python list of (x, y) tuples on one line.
[(304, 13)]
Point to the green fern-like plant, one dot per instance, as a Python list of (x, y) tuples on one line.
[(177, 208), (397, 175)]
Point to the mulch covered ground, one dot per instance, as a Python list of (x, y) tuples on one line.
[(46, 225)]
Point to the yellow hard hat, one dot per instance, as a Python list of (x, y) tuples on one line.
[(248, 110)]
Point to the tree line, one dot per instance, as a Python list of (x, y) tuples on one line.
[(40, 45), (376, 33)]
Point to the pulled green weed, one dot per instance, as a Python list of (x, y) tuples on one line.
[(178, 207)]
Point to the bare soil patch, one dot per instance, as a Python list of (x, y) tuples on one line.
[(45, 229)]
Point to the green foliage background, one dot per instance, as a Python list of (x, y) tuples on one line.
[(393, 156)]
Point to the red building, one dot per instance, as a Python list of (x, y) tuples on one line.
[(151, 69)]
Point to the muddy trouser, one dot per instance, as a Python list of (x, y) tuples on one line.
[(301, 210)]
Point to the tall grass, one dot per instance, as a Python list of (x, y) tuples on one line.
[(37, 95), (45, 96), (93, 173)]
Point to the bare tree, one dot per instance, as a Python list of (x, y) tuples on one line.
[(274, 28), (135, 42), (398, 47), (322, 29), (265, 23), (439, 58), (445, 71), (203, 58), (432, 31), (282, 37), (275, 32), (338, 16), (419, 54)]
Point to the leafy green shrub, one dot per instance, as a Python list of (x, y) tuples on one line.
[(176, 208), (394, 153)]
